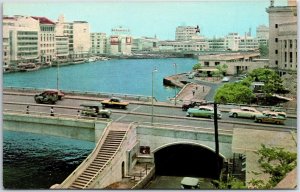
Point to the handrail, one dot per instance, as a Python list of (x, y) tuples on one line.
[(110, 159)]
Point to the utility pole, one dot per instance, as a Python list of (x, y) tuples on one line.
[(216, 140)]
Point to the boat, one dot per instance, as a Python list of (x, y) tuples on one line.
[(24, 67)]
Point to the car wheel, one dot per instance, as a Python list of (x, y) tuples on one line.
[(259, 120), (278, 122), (235, 115)]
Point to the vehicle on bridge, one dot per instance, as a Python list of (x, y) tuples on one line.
[(278, 110), (191, 104), (115, 102), (271, 117), (59, 93), (94, 110), (46, 97), (247, 112), (203, 111)]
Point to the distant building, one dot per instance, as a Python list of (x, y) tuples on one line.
[(98, 43), (178, 46), (248, 43), (120, 42), (232, 41), (262, 34), (217, 44), (62, 47), (237, 63), (283, 37), (187, 33), (144, 44)]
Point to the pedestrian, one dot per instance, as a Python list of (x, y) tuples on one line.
[(196, 87), (27, 109), (78, 113), (51, 111), (203, 88), (193, 92)]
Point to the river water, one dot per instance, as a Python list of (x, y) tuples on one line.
[(33, 161), (126, 76)]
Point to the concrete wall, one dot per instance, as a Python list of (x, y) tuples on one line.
[(156, 138), (63, 127)]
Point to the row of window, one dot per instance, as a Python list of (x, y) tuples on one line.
[(47, 28)]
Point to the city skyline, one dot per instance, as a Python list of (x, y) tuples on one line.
[(154, 17)]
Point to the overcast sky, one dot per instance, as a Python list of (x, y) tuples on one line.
[(149, 18)]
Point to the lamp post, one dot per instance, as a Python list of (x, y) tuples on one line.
[(153, 71), (175, 67), (57, 76)]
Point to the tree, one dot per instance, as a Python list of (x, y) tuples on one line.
[(277, 163), (197, 66), (264, 50), (234, 93), (222, 68), (271, 79), (230, 183)]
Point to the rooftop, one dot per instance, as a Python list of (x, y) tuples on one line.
[(43, 20)]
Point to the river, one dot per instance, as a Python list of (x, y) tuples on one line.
[(125, 76), (33, 161)]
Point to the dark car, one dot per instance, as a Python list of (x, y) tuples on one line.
[(192, 104), (47, 97), (59, 93)]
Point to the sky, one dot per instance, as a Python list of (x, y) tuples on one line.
[(216, 18)]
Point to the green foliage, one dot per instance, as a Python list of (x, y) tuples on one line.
[(230, 183), (197, 66), (272, 80), (234, 93), (277, 163), (222, 68), (264, 50)]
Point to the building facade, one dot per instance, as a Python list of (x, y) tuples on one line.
[(186, 33), (120, 42), (98, 43), (283, 37), (262, 34)]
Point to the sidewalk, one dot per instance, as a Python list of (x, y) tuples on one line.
[(192, 91)]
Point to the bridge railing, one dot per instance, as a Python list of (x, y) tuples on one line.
[(88, 93)]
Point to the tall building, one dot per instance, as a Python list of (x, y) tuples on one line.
[(120, 42), (283, 37), (20, 40), (98, 43), (232, 41), (187, 33), (46, 39)]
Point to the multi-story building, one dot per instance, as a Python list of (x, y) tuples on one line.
[(62, 48), (120, 42), (184, 45), (46, 39), (232, 41), (217, 44), (187, 33), (283, 37), (20, 40), (98, 43), (144, 44), (262, 34), (248, 44)]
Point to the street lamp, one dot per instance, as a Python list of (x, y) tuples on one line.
[(57, 76), (153, 71), (175, 67)]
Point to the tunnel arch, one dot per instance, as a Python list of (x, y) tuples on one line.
[(187, 159)]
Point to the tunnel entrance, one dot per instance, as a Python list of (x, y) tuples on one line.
[(187, 160)]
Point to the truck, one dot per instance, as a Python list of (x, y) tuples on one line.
[(115, 102)]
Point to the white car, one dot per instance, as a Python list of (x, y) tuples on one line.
[(248, 112), (225, 79)]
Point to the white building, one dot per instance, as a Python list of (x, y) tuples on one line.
[(98, 43), (262, 34), (232, 41), (248, 44), (142, 44), (187, 33), (120, 42), (62, 47)]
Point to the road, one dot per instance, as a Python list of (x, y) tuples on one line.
[(141, 112)]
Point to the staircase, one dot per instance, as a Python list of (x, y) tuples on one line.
[(107, 151)]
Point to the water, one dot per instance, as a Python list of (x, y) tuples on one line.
[(126, 76), (34, 161)]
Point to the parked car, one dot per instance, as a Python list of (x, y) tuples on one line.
[(191, 104), (278, 110), (115, 102), (94, 110), (271, 117), (203, 111), (46, 97), (59, 93), (248, 112)]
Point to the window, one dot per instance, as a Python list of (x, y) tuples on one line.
[(276, 62), (276, 40), (291, 43), (206, 63), (285, 56), (217, 63), (276, 25), (276, 51), (291, 57), (285, 43)]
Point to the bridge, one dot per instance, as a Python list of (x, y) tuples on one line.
[(165, 144)]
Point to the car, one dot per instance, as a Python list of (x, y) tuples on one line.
[(271, 117), (278, 110), (94, 110), (203, 111), (225, 79), (59, 93), (191, 104), (190, 183), (46, 97), (115, 102), (247, 112)]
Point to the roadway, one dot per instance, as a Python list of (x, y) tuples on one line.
[(140, 112)]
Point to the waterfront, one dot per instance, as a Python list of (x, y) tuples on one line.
[(126, 76), (33, 161)]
